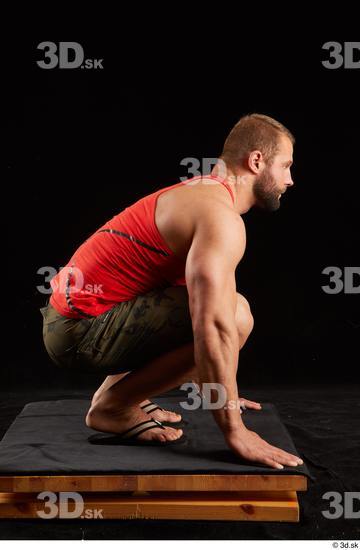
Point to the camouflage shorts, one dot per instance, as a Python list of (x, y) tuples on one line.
[(127, 336)]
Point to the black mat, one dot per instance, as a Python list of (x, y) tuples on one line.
[(323, 422), (50, 437)]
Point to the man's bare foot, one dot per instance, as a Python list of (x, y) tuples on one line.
[(105, 420), (161, 415)]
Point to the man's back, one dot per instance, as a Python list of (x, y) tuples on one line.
[(178, 210), (143, 247)]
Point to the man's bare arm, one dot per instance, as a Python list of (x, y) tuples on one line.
[(217, 247)]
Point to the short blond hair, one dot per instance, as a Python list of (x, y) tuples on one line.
[(253, 132)]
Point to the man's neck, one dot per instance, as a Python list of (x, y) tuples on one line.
[(241, 185)]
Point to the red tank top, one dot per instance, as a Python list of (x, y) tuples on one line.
[(125, 258)]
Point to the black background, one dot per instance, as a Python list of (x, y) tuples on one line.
[(83, 144)]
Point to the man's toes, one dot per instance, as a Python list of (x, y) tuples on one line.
[(171, 434), (175, 417), (170, 416), (166, 416), (172, 413), (177, 434)]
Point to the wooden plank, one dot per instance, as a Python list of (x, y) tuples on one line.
[(235, 506), (161, 482)]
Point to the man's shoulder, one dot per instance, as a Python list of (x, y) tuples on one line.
[(215, 210), (182, 211), (218, 232)]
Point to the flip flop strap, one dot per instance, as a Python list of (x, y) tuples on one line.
[(151, 407), (140, 428)]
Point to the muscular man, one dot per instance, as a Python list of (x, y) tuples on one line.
[(150, 298)]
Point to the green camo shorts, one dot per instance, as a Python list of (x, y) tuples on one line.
[(123, 338)]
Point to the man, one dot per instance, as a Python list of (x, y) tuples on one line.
[(150, 298)]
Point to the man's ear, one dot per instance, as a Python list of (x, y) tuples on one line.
[(255, 161)]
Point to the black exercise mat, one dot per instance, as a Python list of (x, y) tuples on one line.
[(50, 437)]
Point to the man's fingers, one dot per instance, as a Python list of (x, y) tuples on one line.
[(288, 462), (250, 404), (272, 463), (286, 458), (294, 459), (279, 455), (276, 461)]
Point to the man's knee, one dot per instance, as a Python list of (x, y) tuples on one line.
[(244, 318)]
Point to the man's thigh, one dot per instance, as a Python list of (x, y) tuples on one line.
[(135, 332)]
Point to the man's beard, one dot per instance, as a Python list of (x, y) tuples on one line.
[(266, 191)]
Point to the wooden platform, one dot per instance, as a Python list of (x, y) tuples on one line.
[(209, 497)]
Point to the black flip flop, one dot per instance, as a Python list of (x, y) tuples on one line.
[(129, 437)]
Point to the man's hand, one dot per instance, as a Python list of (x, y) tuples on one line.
[(251, 446)]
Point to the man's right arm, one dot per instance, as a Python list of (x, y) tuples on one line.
[(217, 247)]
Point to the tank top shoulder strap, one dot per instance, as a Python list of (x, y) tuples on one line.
[(221, 180)]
